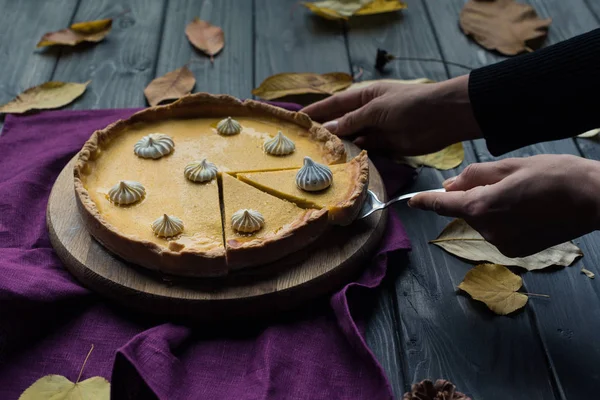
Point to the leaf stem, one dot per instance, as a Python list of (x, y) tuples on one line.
[(84, 362), (536, 294)]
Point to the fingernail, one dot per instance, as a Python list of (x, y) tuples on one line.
[(331, 126), (448, 182)]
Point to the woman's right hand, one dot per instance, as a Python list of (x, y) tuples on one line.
[(405, 119)]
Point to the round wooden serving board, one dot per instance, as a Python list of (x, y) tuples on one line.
[(319, 269)]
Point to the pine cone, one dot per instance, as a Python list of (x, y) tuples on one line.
[(441, 390)]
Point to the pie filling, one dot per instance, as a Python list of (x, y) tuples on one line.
[(204, 203)]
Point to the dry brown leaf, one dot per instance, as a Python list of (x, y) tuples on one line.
[(445, 159), (343, 9), (496, 286), (171, 86), (460, 239), (364, 84), (286, 84), (588, 273), (503, 25), (207, 38), (45, 96), (55, 387), (89, 31), (589, 134)]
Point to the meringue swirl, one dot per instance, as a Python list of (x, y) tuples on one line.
[(247, 221), (200, 171), (313, 176), (279, 145), (167, 226), (154, 146), (126, 192), (229, 126)]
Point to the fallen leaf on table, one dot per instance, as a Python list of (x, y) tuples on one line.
[(589, 134), (460, 239), (207, 38), (171, 86), (364, 84), (440, 390), (57, 387), (503, 25), (343, 9), (445, 159), (588, 273), (90, 31), (496, 286), (286, 84), (45, 96)]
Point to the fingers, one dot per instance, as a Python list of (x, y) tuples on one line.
[(337, 105), (449, 204), (482, 174)]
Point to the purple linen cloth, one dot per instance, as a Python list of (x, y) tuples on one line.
[(48, 321)]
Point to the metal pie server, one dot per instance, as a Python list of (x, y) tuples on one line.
[(372, 203)]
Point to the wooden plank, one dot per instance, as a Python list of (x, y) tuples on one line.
[(567, 323), (232, 71), (302, 42), (122, 64), (22, 24), (445, 334)]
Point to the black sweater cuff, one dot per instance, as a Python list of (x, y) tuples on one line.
[(546, 95)]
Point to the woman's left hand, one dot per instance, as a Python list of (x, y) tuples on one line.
[(523, 205)]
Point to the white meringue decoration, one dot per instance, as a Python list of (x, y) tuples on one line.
[(154, 146), (200, 171), (247, 221), (126, 192), (279, 145), (229, 126), (167, 226), (313, 176)]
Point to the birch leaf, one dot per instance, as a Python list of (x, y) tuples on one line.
[(590, 134), (89, 31), (503, 25), (45, 96), (58, 387), (287, 84), (364, 84), (445, 159), (343, 9), (496, 286), (207, 38), (171, 86), (460, 239)]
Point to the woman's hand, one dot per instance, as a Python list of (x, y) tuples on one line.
[(523, 205), (409, 119)]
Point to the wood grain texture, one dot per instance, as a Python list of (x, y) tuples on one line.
[(292, 281), (445, 334), (232, 70), (122, 64), (567, 323), (22, 24)]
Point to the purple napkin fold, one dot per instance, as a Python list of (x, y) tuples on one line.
[(48, 321)]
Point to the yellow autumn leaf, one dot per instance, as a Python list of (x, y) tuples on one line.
[(364, 84), (287, 84), (171, 86), (448, 158), (496, 286), (45, 96), (462, 240), (589, 134), (52, 387), (89, 31), (343, 9)]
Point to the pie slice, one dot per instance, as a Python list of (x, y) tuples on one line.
[(287, 227), (343, 199)]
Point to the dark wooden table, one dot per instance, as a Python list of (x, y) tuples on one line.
[(420, 328)]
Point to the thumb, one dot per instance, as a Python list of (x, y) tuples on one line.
[(352, 122), (481, 174)]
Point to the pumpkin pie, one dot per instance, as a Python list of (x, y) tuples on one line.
[(343, 198), (135, 183), (286, 229)]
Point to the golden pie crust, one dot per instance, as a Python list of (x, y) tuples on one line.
[(173, 257)]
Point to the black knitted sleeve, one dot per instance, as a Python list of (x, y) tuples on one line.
[(552, 93)]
